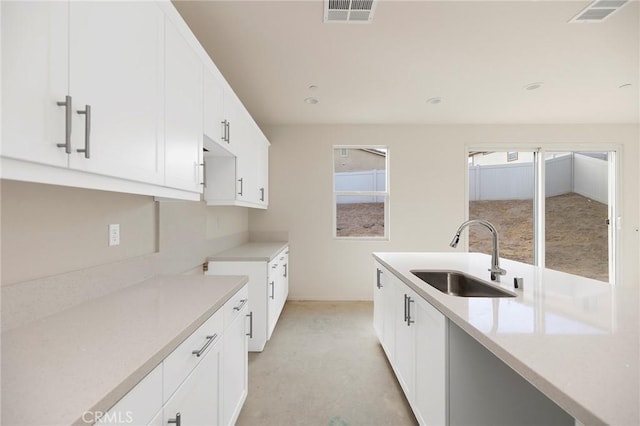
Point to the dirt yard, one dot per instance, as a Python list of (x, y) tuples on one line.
[(360, 220), (576, 230), (576, 233)]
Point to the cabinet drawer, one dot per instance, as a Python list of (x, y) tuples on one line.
[(234, 305), (183, 360)]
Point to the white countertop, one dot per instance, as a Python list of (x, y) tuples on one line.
[(89, 356), (250, 252), (575, 339)]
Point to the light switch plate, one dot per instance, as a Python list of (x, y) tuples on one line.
[(114, 234)]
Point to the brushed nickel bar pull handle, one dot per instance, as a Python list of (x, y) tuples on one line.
[(67, 124), (228, 132), (405, 308), (261, 194), (378, 272), (87, 131), (273, 287), (210, 340), (285, 270), (241, 186), (224, 130), (250, 333), (242, 303), (175, 421), (204, 175)]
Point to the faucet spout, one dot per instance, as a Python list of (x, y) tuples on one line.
[(495, 269)]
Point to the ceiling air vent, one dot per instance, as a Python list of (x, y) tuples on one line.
[(598, 11), (349, 11)]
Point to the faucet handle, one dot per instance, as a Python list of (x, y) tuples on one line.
[(496, 272)]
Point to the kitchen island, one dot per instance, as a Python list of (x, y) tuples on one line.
[(573, 339)]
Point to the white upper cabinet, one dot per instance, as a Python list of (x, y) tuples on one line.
[(183, 113), (35, 58), (120, 96), (116, 70), (237, 171), (214, 121)]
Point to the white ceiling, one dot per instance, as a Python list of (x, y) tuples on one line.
[(476, 55)]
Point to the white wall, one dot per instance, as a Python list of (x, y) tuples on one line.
[(427, 174), (49, 229)]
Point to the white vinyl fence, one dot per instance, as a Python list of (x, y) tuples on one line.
[(591, 178), (366, 181), (582, 174)]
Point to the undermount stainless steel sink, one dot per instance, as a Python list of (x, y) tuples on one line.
[(459, 284)]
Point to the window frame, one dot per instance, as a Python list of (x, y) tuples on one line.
[(385, 194)]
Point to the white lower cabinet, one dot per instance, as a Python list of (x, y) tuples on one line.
[(413, 335), (268, 291), (202, 382), (430, 386)]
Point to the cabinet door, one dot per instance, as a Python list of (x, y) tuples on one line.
[(262, 170), (34, 78), (116, 67), (282, 280), (378, 301), (234, 114), (430, 364), (404, 338), (214, 120), (285, 276), (197, 400), (183, 113), (272, 303), (235, 368), (245, 170), (389, 303)]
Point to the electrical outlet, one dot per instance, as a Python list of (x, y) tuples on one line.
[(114, 234)]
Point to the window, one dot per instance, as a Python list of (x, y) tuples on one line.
[(501, 191), (360, 192), (551, 208)]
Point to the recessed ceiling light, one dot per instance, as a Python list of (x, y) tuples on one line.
[(311, 100), (313, 87), (534, 86), (622, 86), (434, 101)]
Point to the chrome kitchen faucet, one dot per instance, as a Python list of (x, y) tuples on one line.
[(495, 269)]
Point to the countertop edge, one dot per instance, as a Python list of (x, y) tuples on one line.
[(547, 388), (278, 246)]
